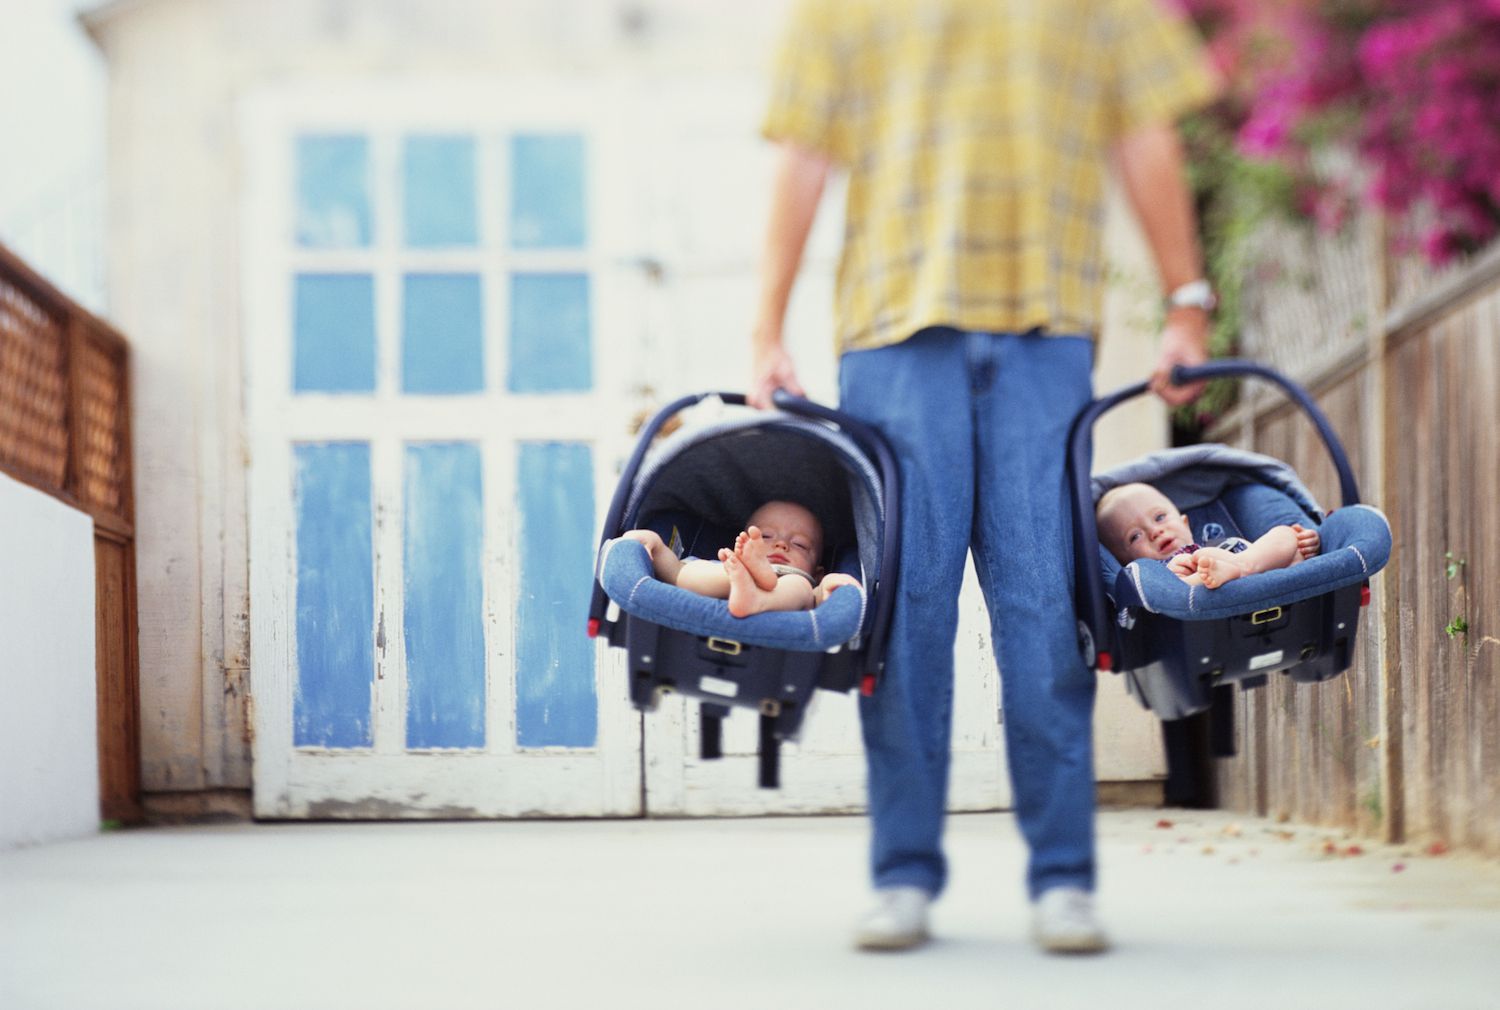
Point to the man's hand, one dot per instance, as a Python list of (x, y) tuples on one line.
[(1184, 341), (771, 370)]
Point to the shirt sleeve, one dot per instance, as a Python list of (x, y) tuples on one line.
[(807, 86), (1161, 71)]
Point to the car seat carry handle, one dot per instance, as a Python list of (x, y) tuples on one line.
[(1231, 367), (1095, 637)]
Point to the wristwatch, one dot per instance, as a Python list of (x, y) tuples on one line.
[(1196, 294)]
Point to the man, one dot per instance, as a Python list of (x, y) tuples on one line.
[(976, 135)]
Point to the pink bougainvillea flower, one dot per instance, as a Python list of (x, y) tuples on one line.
[(1264, 135), (1410, 85), (1439, 247)]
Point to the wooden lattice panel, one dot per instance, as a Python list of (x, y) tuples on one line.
[(1308, 300), (100, 429), (33, 388), (64, 430)]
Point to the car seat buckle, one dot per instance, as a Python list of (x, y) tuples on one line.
[(1265, 616)]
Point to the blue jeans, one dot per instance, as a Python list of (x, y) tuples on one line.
[(979, 425)]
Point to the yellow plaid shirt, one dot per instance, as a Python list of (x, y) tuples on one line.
[(976, 136)]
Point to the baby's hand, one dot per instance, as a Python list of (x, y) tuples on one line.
[(1308, 541), (649, 539), (831, 582), (1182, 565)]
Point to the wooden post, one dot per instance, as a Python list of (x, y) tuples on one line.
[(1385, 610)]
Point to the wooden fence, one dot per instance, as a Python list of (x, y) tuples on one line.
[(65, 429), (1406, 363)]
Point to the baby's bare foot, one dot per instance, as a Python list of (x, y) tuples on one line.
[(745, 597), (1217, 567), (1308, 541), (750, 547)]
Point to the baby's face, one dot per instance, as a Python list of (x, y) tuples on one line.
[(1143, 523), (793, 535)]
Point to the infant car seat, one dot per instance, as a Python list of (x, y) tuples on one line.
[(1175, 642), (695, 489)]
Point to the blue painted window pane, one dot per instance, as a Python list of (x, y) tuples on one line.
[(334, 333), (444, 550), (442, 334), (547, 206), (333, 191), (550, 342), (335, 596), (438, 202), (556, 704)]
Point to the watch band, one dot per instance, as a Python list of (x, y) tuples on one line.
[(1198, 294)]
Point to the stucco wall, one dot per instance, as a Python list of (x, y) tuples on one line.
[(49, 755)]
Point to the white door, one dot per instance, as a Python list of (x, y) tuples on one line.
[(429, 305)]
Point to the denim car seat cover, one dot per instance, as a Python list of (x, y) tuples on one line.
[(1356, 541)]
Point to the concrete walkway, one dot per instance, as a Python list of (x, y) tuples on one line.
[(1213, 911)]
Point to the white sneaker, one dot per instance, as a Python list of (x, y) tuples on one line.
[(897, 922), (1062, 922)]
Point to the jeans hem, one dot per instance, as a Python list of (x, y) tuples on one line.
[(920, 881), (1085, 883)]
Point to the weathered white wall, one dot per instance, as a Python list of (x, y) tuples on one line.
[(49, 751), (178, 71), (690, 75)]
